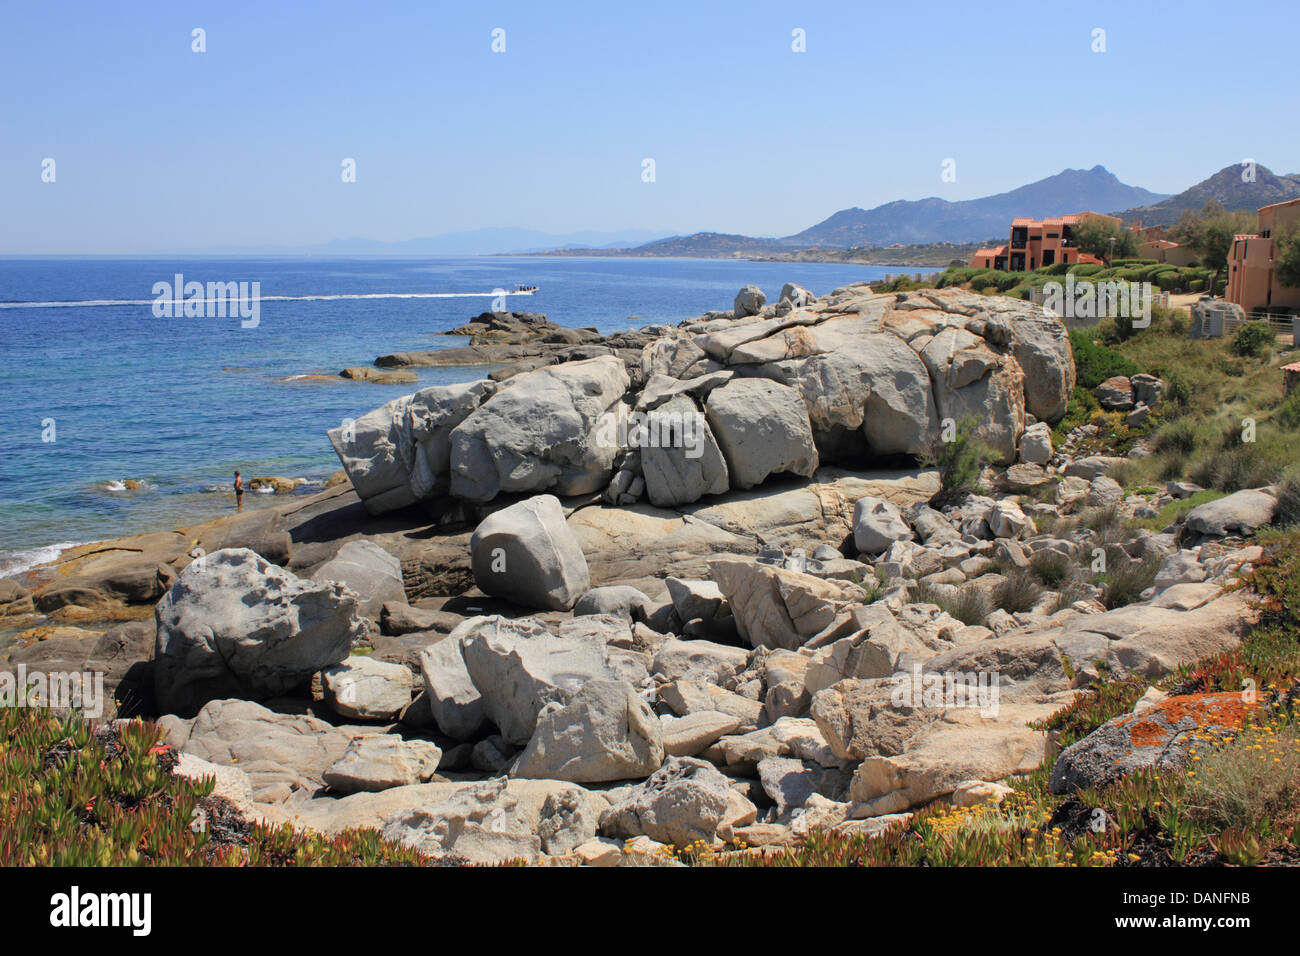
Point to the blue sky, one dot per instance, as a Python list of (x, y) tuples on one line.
[(159, 148)]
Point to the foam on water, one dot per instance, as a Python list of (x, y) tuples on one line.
[(16, 562)]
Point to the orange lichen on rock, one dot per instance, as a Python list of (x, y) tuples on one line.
[(1153, 727)]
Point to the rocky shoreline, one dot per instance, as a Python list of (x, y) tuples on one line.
[(523, 629)]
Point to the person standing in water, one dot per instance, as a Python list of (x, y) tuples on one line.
[(239, 492)]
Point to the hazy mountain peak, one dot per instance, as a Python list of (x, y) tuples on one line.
[(972, 220), (1228, 187)]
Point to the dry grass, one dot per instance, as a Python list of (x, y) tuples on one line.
[(1254, 776)]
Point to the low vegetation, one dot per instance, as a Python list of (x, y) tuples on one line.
[(72, 794), (959, 463)]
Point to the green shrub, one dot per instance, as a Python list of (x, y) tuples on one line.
[(1288, 498), (1254, 340), (1177, 391), (1070, 592), (1178, 437), (960, 462), (1103, 520), (1126, 579), (970, 605), (1096, 363), (1288, 413), (1079, 410), (953, 275), (1234, 467), (1018, 591), (1251, 778), (1052, 568)]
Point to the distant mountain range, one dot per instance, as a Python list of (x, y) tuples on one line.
[(971, 220), (485, 242), (930, 221), (1227, 187), (920, 221)]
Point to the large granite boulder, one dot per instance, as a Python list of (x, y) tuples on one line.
[(381, 762), (877, 524), (675, 357), (519, 667), (1240, 513), (690, 735), (454, 701), (683, 801), (972, 380), (541, 431), (866, 391), (777, 608), (234, 625), (281, 753), (1036, 443), (683, 463), (617, 600), (526, 554), (1041, 346), (796, 295), (603, 731), (749, 301), (762, 428), (399, 453), (370, 571), (1115, 394), (1159, 736), (363, 688), (486, 822)]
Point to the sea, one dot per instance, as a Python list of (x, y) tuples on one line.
[(117, 421)]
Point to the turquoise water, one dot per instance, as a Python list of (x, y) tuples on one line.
[(180, 403)]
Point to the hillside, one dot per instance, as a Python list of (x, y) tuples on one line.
[(702, 245), (1225, 186), (972, 220), (911, 223)]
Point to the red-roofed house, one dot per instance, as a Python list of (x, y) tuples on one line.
[(1033, 244)]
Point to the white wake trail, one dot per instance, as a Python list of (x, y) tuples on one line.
[(103, 303)]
